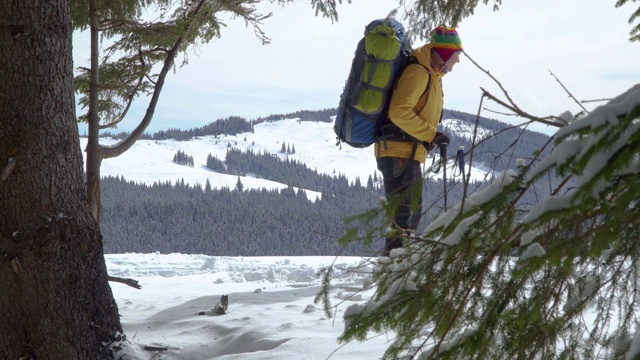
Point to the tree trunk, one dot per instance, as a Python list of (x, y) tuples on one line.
[(55, 301), (94, 150)]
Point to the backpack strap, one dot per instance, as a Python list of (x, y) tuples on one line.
[(426, 91), (391, 131)]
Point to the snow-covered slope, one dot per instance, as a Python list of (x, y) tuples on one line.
[(150, 161), (463, 129)]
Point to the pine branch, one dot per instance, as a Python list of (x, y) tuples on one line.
[(125, 144)]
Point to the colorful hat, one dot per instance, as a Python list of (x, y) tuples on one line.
[(445, 41)]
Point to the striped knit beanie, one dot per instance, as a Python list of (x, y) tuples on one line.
[(445, 41)]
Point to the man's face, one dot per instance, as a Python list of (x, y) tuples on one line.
[(455, 58)]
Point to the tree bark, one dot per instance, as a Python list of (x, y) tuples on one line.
[(55, 300)]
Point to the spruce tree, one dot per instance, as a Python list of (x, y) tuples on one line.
[(55, 299), (239, 185), (138, 58), (491, 279)]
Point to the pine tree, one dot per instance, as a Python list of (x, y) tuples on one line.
[(148, 51), (55, 302), (239, 185), (493, 279), (183, 159)]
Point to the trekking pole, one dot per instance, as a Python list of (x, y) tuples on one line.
[(443, 161), (460, 162)]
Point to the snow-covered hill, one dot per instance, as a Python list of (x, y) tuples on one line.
[(465, 130), (150, 161)]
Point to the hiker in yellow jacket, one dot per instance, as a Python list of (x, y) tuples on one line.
[(414, 114)]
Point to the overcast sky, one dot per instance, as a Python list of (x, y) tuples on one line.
[(584, 42)]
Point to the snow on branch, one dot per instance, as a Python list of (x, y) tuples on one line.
[(596, 148), (474, 200)]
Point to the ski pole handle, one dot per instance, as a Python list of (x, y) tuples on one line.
[(443, 151)]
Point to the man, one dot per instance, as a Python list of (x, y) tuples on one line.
[(414, 114)]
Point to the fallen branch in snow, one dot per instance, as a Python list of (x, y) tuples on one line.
[(156, 348), (131, 282), (159, 350)]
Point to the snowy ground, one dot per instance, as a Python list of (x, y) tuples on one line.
[(271, 312)]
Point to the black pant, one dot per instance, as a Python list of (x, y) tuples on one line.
[(403, 188)]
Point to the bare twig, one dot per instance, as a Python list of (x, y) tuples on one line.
[(568, 92), (504, 91), (511, 105), (473, 145), (547, 121), (499, 112), (595, 100)]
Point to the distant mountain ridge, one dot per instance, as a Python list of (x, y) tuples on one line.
[(235, 125), (459, 126)]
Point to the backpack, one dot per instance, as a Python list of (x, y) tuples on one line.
[(379, 59)]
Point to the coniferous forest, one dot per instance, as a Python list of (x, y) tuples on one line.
[(183, 218)]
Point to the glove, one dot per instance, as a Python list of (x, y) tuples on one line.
[(439, 140)]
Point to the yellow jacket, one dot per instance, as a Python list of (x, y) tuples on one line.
[(406, 102)]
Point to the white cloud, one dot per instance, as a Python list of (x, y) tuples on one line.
[(584, 42)]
